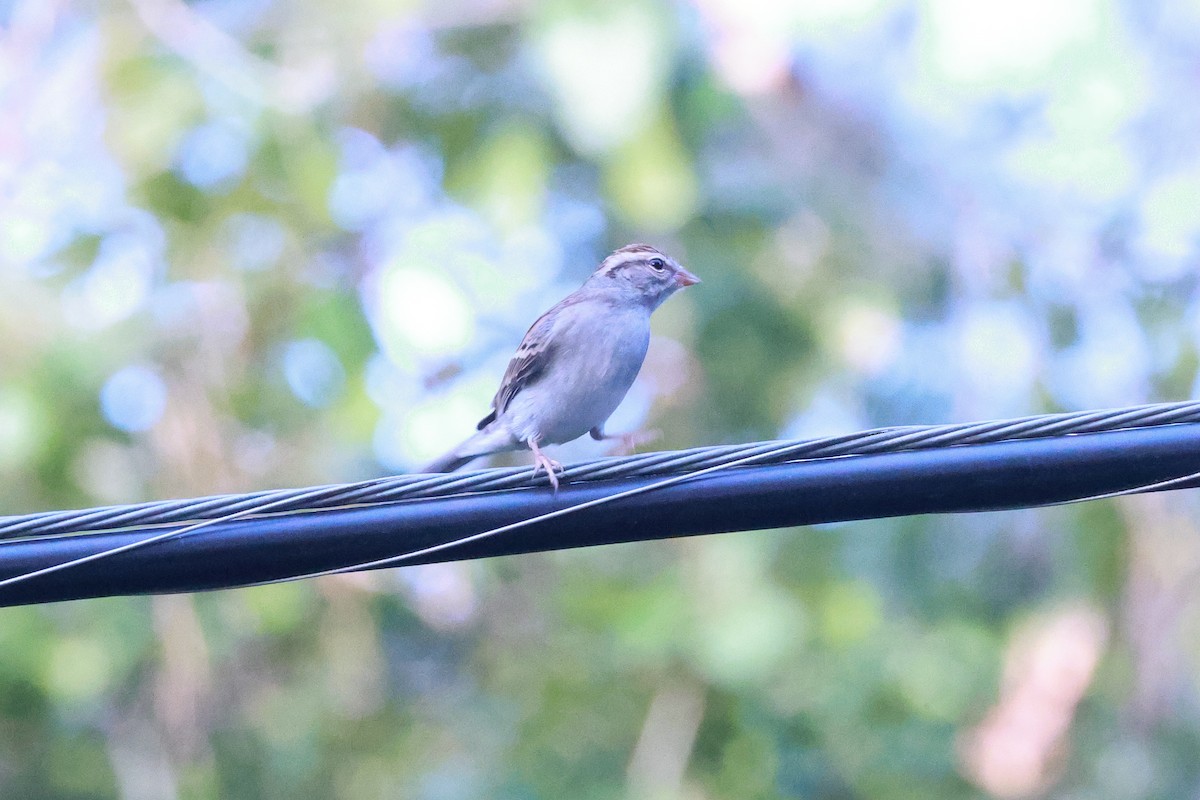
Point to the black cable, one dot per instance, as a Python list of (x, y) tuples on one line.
[(1006, 464), (405, 487)]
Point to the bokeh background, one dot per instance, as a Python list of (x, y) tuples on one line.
[(248, 244)]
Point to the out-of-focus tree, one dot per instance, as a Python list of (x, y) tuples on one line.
[(252, 244)]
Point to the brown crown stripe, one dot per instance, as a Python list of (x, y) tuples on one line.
[(628, 255)]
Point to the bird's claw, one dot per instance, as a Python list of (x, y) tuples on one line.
[(542, 462), (629, 442)]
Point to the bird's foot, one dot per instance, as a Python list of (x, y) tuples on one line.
[(551, 467), (630, 442), (627, 443), (541, 461)]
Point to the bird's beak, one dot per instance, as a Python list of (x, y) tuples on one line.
[(685, 278)]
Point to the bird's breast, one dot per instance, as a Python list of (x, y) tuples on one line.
[(596, 358)]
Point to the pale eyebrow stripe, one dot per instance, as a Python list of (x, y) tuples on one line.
[(620, 259)]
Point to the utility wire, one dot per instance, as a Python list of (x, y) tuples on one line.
[(413, 487), (311, 494), (403, 558), (399, 560), (261, 538)]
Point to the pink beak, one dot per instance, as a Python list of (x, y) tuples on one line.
[(685, 278)]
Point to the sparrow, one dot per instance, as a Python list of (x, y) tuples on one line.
[(576, 362)]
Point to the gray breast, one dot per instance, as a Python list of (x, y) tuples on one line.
[(598, 358)]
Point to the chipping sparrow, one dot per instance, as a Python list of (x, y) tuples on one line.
[(577, 361)]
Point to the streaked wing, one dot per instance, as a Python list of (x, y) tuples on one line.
[(529, 362)]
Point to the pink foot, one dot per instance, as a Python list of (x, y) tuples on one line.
[(541, 461), (627, 442)]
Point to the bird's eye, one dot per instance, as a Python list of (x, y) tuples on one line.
[(657, 264)]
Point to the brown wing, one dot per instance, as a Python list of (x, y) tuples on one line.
[(528, 363)]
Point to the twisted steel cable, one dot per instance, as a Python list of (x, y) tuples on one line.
[(415, 487)]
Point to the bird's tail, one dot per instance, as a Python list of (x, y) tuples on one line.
[(492, 439), (448, 462)]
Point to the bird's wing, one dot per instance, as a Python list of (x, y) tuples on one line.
[(529, 363)]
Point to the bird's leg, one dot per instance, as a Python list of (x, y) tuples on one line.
[(543, 461), (629, 442)]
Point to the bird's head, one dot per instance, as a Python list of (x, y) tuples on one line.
[(642, 272)]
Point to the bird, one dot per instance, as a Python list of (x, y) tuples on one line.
[(576, 362)]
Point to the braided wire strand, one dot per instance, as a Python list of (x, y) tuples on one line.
[(417, 487)]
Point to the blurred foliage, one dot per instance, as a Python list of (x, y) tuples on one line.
[(257, 243)]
